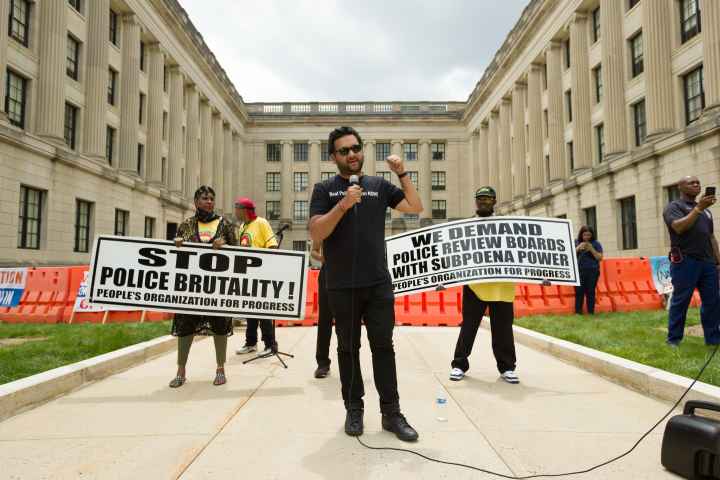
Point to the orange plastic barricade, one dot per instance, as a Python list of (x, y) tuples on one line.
[(521, 306), (628, 281), (536, 300), (43, 301), (554, 300)]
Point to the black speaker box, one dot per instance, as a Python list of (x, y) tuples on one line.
[(691, 443)]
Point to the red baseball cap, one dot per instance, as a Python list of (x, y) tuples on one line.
[(246, 203)]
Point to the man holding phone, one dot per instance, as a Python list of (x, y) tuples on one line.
[(694, 260)]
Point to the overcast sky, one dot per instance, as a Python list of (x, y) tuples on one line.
[(328, 50)]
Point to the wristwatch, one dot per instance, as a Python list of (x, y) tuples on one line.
[(401, 175)]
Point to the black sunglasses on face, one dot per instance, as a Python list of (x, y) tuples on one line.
[(345, 150)]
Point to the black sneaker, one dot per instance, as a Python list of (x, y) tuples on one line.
[(322, 372), (396, 423), (354, 422)]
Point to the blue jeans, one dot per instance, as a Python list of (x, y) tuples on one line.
[(686, 276)]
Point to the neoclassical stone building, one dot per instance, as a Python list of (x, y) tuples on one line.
[(116, 110)]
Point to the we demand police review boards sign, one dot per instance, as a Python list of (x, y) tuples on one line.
[(483, 249)]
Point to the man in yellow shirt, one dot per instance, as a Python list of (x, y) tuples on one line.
[(255, 232), (498, 297)]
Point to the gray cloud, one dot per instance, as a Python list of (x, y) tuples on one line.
[(326, 50)]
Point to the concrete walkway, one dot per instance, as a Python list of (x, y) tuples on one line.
[(272, 423)]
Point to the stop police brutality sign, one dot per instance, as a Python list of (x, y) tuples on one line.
[(197, 279), (489, 249)]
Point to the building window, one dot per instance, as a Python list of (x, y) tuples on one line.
[(439, 209), (629, 223), (109, 144), (632, 3), (71, 112), (300, 181), (546, 123), (566, 49), (300, 245), (597, 73), (437, 180), (571, 155), (300, 152), (382, 151), (636, 53), (272, 209), (30, 218), (76, 4), (142, 56), (112, 83), (113, 27), (165, 78), (72, 60), (141, 109), (140, 158), (600, 137), (326, 176), (19, 27), (122, 222), (640, 122), (324, 153), (272, 182), (385, 175), (163, 169), (568, 106), (694, 94), (410, 151), (672, 192), (15, 98), (300, 210), (438, 151), (149, 227), (596, 24), (689, 19), (274, 152), (591, 218), (412, 217), (413, 176), (83, 210)]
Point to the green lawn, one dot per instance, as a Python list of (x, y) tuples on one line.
[(637, 336), (65, 344)]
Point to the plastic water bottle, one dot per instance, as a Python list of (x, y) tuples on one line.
[(441, 406)]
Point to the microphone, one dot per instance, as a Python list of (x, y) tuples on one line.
[(354, 180), (283, 228)]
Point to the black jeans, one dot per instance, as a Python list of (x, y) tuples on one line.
[(376, 306), (588, 283), (501, 322), (324, 327), (265, 327)]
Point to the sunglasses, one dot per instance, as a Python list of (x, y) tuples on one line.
[(345, 150)]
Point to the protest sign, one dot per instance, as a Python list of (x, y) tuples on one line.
[(488, 249), (661, 274), (231, 281), (12, 286)]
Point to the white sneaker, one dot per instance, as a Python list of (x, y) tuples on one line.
[(267, 352), (456, 374), (510, 376), (246, 349)]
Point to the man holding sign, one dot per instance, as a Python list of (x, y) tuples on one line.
[(498, 297)]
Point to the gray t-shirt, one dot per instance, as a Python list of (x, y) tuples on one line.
[(695, 242)]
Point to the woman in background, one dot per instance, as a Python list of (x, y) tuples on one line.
[(589, 255)]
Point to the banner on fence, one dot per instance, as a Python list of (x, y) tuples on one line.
[(12, 286), (661, 274), (83, 305), (489, 249), (231, 281)]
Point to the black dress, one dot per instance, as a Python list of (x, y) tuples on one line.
[(189, 324)]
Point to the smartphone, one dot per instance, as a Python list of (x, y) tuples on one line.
[(709, 191)]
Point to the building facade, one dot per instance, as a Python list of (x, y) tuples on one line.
[(115, 111)]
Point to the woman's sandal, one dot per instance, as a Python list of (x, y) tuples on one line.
[(220, 378), (176, 382)]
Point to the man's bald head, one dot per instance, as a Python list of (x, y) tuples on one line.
[(689, 186)]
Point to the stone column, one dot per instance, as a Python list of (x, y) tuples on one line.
[(468, 178), (556, 125), (535, 127), (518, 144), (286, 182), (228, 167), (129, 93), (192, 130), (710, 13), (315, 163), (425, 178), (176, 162), (241, 171), (51, 69), (154, 146), (657, 44), (492, 155), (613, 76), (4, 14), (580, 72), (504, 155), (206, 143), (369, 165), (218, 143), (483, 177), (96, 76)]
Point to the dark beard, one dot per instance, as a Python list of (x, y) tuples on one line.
[(488, 213), (345, 170)]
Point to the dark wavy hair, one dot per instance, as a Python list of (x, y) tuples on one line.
[(203, 190), (583, 229), (339, 133)]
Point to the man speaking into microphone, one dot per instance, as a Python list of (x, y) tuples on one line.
[(347, 214)]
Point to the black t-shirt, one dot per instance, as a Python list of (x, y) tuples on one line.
[(360, 235), (695, 242)]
